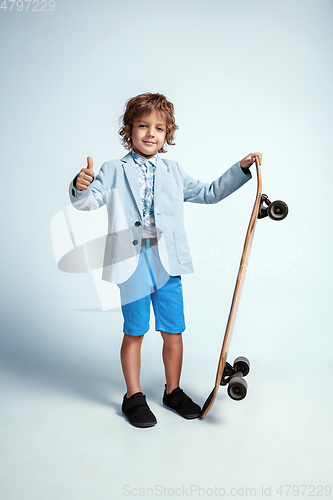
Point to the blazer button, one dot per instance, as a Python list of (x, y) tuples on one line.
[(138, 223), (135, 242)]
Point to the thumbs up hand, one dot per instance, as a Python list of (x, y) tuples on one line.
[(85, 176)]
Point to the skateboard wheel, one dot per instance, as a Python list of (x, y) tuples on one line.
[(277, 210), (237, 388), (242, 365)]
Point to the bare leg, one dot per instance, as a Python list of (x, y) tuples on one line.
[(172, 357), (130, 355)]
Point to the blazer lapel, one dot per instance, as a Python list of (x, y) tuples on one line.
[(160, 173), (132, 177)]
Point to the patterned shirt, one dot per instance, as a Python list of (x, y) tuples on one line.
[(146, 175)]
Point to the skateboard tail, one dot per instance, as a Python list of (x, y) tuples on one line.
[(207, 402)]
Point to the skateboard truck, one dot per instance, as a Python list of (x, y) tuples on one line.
[(228, 372), (276, 210), (233, 376)]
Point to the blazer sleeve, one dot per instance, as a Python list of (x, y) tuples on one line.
[(196, 191), (95, 196)]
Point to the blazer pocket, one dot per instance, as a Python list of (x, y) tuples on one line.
[(182, 247), (110, 249)]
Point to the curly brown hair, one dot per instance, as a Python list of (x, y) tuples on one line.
[(142, 104)]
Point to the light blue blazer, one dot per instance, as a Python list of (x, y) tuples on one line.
[(117, 187)]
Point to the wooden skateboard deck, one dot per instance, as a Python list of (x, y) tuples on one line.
[(237, 293)]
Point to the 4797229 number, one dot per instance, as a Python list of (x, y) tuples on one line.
[(25, 5), (304, 490)]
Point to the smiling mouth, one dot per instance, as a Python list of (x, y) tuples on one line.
[(149, 142)]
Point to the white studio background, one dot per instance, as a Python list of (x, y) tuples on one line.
[(244, 76)]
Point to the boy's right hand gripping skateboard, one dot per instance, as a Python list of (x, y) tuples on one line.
[(227, 374)]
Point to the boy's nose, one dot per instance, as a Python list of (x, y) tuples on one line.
[(151, 132)]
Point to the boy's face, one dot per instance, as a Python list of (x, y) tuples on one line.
[(148, 134)]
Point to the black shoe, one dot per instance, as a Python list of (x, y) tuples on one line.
[(177, 400), (137, 411)]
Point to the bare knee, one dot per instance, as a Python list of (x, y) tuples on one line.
[(132, 340), (172, 338)]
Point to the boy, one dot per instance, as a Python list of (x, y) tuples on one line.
[(146, 247)]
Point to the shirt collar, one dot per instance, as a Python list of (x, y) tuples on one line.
[(141, 160)]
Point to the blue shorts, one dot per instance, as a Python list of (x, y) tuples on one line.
[(150, 283)]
